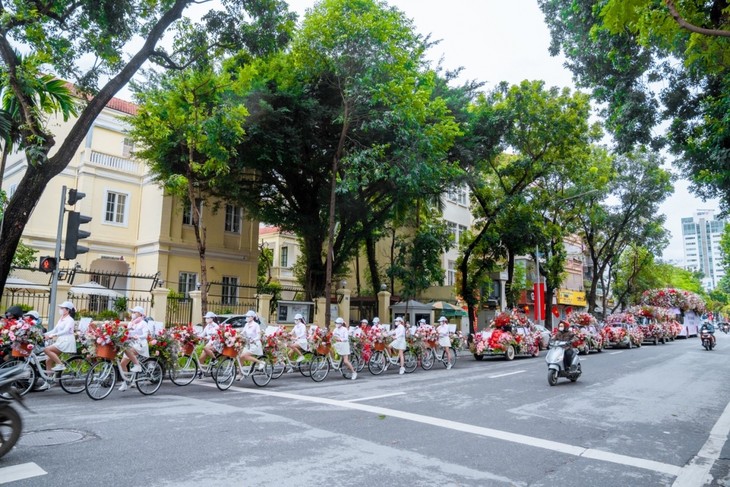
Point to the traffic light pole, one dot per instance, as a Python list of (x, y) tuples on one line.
[(54, 278)]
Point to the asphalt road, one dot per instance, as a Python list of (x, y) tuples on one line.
[(658, 415)]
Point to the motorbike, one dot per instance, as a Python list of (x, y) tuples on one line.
[(556, 369), (725, 328), (11, 423), (708, 340)]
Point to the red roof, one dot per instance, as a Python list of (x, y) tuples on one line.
[(118, 104), (268, 230)]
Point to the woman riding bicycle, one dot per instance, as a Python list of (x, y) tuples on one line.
[(138, 332)]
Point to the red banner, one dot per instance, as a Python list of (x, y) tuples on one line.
[(539, 290)]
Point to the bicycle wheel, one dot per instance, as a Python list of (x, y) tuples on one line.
[(225, 373), (184, 371), (427, 359), (278, 368), (320, 367), (357, 358), (23, 386), (447, 362), (263, 376), (73, 378), (305, 367), (410, 361), (11, 425), (376, 364), (150, 379), (100, 380)]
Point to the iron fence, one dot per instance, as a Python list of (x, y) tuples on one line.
[(238, 308), (36, 301), (179, 311)]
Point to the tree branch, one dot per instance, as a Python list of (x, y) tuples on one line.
[(691, 27)]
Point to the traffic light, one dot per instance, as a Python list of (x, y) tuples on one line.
[(74, 196), (73, 234), (47, 264)]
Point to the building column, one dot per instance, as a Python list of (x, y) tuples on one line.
[(264, 306), (158, 310), (384, 306), (197, 316), (343, 304)]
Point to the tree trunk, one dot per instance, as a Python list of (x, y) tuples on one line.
[(6, 150), (373, 264), (200, 240), (510, 275)]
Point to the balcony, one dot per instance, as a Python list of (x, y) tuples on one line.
[(115, 163)]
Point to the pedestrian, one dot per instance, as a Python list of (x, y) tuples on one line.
[(252, 332), (299, 334), (342, 345), (138, 332), (63, 336), (399, 343), (445, 339), (210, 334)]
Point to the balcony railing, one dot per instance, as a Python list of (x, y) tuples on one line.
[(116, 163)]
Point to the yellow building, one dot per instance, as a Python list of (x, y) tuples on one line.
[(136, 230)]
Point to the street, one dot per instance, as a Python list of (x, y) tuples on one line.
[(658, 415)]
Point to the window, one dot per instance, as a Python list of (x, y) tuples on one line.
[(457, 195), (284, 257), (451, 273), (229, 293), (116, 208), (127, 147), (188, 211), (233, 219), (11, 192), (453, 230), (187, 282)]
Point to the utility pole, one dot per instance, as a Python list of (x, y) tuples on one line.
[(54, 277)]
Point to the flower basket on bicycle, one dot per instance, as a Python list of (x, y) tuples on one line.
[(22, 349), (323, 349), (431, 344), (379, 346), (108, 351), (229, 352), (188, 348)]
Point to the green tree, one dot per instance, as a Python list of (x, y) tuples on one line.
[(188, 128), (64, 34), (620, 49), (638, 185), (351, 106), (545, 128), (635, 273)]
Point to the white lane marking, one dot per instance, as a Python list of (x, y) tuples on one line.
[(697, 471), (20, 472), (375, 397), (506, 374), (614, 353), (555, 446)]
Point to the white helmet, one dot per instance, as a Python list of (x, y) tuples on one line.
[(443, 318), (209, 314), (340, 321), (33, 314), (376, 320), (250, 314), (421, 321), (298, 316), (399, 319), (137, 309), (67, 305)]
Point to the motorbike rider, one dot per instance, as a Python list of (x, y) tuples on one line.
[(708, 328), (565, 334)]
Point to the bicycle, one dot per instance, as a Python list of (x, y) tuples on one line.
[(71, 379), (433, 354), (102, 377), (380, 360), (188, 368), (229, 367), (321, 365), (284, 364)]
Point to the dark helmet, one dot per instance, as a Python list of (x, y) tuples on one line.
[(15, 312)]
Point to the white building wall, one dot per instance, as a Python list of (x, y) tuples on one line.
[(701, 236)]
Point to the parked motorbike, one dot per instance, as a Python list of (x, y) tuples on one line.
[(708, 340), (556, 369), (11, 424)]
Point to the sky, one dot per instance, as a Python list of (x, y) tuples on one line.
[(499, 40)]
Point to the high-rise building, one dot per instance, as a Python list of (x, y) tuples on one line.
[(701, 236)]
